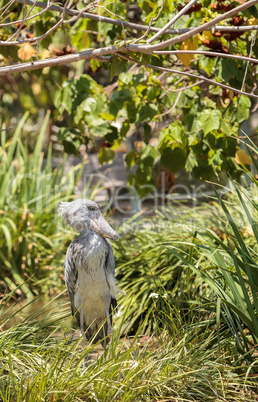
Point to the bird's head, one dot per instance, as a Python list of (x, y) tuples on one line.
[(85, 214)]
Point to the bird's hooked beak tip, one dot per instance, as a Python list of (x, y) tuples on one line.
[(116, 236), (111, 236), (101, 227)]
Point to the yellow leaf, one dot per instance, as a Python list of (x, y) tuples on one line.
[(242, 157), (36, 88), (252, 21), (26, 51), (45, 54), (206, 35), (188, 44)]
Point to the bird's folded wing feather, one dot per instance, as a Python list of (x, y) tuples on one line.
[(71, 276), (110, 267)]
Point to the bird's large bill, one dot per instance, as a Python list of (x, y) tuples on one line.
[(100, 226)]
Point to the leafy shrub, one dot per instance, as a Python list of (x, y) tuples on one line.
[(31, 241)]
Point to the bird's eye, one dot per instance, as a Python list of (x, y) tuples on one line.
[(92, 208)]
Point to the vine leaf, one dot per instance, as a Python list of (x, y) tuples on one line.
[(209, 120)]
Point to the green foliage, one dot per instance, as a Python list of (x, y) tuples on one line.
[(213, 267), (209, 120), (84, 107), (41, 359), (31, 191), (106, 155), (152, 278), (173, 146), (230, 250)]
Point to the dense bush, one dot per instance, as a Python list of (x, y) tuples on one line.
[(31, 241)]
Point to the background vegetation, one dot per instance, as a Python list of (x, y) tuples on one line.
[(192, 95), (187, 329)]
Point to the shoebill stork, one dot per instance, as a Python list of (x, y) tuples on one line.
[(90, 268)]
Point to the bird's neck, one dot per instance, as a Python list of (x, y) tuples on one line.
[(86, 232)]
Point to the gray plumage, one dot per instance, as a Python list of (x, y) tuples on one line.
[(90, 268)]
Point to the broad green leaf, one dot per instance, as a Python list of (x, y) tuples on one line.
[(191, 162), (118, 66), (106, 155), (209, 120), (243, 108), (173, 159), (125, 78)]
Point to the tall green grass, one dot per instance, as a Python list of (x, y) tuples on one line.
[(208, 270), (150, 275), (42, 360), (227, 262), (31, 239)]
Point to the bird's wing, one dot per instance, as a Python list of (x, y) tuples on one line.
[(110, 267), (71, 276)]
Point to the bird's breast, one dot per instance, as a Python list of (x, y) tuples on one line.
[(91, 266), (91, 253)]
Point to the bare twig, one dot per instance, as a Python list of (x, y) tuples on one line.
[(247, 64), (207, 53), (181, 89), (138, 27), (149, 27), (6, 129), (172, 107), (6, 6), (17, 33), (195, 31), (56, 61), (52, 29), (27, 19), (170, 70), (172, 21)]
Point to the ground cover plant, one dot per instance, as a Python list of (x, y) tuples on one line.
[(180, 333), (208, 270), (31, 190), (41, 360), (186, 329)]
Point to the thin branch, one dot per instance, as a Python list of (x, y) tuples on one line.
[(17, 33), (149, 27), (225, 28), (172, 21), (181, 89), (27, 19), (56, 61), (99, 18), (207, 53), (199, 77), (172, 107), (138, 27), (195, 31), (6, 129), (247, 64), (6, 6), (52, 29)]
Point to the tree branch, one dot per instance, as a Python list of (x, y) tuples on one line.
[(207, 53), (194, 31), (198, 77), (57, 61), (130, 25), (172, 21)]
